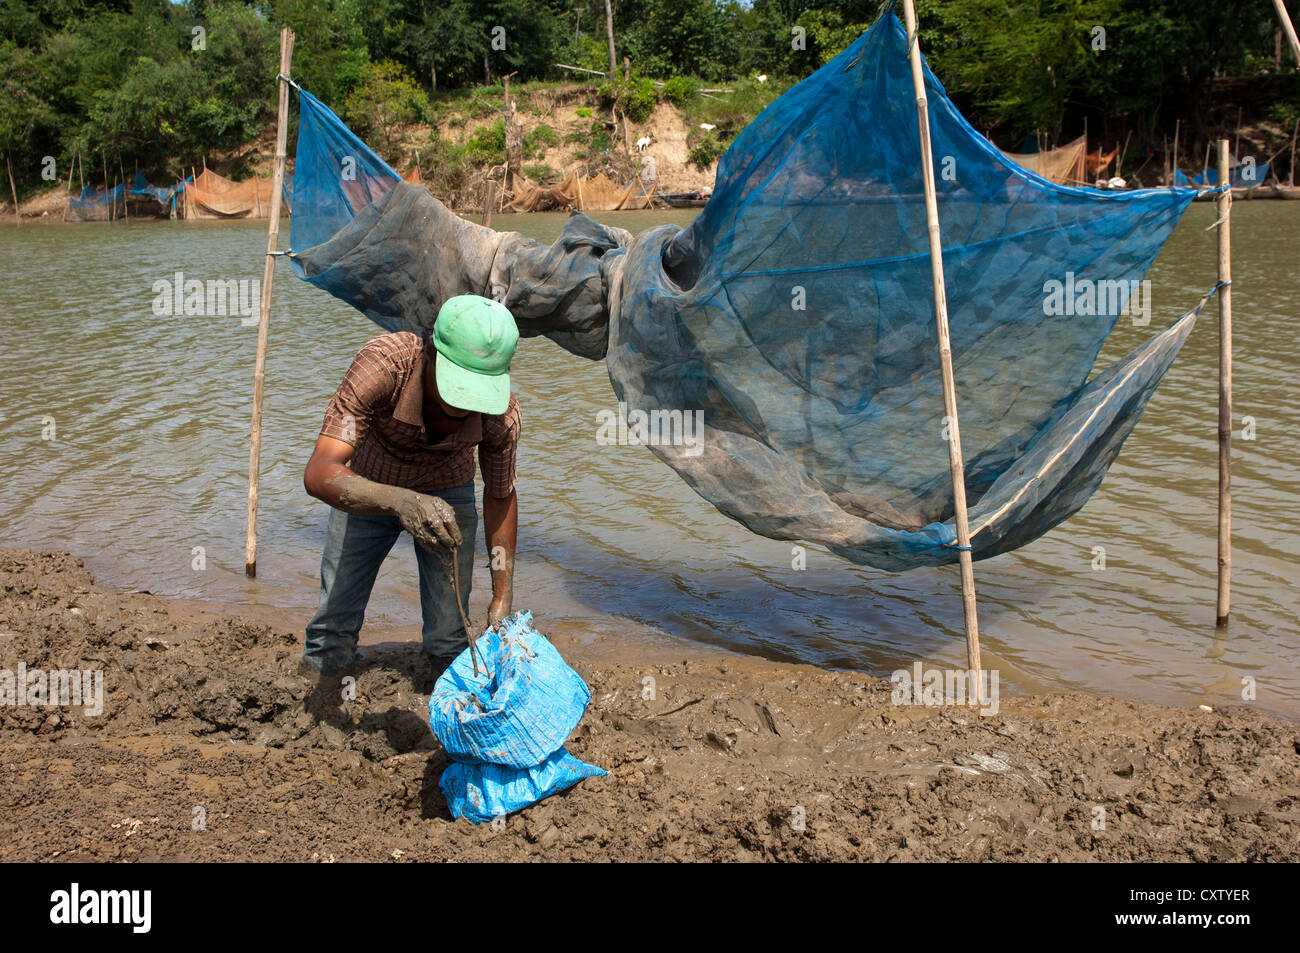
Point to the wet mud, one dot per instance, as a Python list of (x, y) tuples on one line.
[(210, 746)]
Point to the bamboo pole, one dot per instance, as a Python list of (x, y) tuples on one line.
[(268, 273), (81, 169), (1224, 209), (67, 205), (1173, 177), (1289, 28), (1294, 130), (112, 202), (581, 69), (489, 200), (945, 355), (18, 215), (126, 212)]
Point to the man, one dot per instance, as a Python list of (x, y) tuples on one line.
[(396, 452)]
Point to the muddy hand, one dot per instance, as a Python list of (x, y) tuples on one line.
[(430, 520), (498, 610)]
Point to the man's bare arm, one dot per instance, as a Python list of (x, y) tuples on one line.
[(501, 528), (427, 518)]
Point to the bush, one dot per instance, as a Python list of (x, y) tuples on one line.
[(583, 112), (600, 140), (682, 90), (636, 99), (540, 173), (539, 140), (488, 144), (704, 152), (387, 97)]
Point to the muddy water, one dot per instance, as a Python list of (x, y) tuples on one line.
[(145, 475)]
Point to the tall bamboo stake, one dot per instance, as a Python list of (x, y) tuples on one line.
[(1294, 129), (945, 354), (1224, 209), (18, 215), (1289, 28), (489, 200), (67, 205), (268, 273), (126, 212), (1173, 176), (1119, 169)]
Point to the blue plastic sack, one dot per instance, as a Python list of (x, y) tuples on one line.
[(481, 792), (520, 708)]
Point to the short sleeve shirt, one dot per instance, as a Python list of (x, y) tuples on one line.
[(379, 410)]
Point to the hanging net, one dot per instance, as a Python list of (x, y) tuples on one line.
[(165, 195), (209, 195), (97, 205), (794, 316), (1067, 164), (1244, 175)]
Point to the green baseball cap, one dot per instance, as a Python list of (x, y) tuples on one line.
[(475, 338)]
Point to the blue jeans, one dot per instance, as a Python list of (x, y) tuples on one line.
[(355, 547)]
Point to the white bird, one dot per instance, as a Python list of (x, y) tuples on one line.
[(762, 77), (707, 126), (642, 143)]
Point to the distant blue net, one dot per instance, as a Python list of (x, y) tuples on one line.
[(795, 314), (1244, 176), (97, 205), (163, 193)]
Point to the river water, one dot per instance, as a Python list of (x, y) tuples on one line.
[(125, 441)]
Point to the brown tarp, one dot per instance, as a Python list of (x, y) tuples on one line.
[(597, 194), (1067, 164), (1099, 162), (214, 196)]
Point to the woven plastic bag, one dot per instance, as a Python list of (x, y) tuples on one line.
[(519, 709), (505, 726), (481, 792)]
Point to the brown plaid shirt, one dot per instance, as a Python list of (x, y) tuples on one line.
[(379, 410)]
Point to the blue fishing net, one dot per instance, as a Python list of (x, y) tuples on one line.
[(794, 317), (1244, 176), (163, 193), (97, 205), (335, 175)]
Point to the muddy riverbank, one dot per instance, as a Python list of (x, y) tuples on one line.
[(211, 747)]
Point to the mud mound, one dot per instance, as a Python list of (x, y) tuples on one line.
[(211, 747)]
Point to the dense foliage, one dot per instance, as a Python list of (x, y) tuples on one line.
[(161, 84)]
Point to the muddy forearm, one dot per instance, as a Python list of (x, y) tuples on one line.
[(356, 494), (429, 519), (501, 529)]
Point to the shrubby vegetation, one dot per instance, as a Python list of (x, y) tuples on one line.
[(162, 84)]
